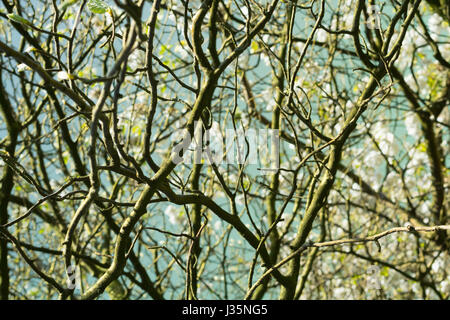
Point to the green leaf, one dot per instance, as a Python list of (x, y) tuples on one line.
[(67, 4), (97, 6), (422, 147), (164, 48), (255, 46), (34, 292), (385, 271), (19, 19)]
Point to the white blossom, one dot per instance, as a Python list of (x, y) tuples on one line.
[(412, 125), (62, 75), (22, 67), (173, 214)]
